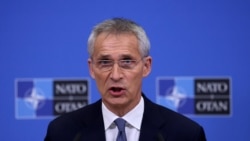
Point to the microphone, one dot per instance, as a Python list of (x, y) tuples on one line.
[(160, 137), (78, 137)]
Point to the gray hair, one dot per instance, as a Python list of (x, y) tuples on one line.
[(120, 26)]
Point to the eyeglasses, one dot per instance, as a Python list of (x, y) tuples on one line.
[(107, 65)]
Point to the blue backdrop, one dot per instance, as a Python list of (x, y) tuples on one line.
[(47, 39)]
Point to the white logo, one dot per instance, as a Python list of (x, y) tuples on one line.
[(176, 96), (34, 98)]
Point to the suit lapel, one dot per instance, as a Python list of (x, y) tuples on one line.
[(94, 129), (151, 122)]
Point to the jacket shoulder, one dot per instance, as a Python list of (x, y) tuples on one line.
[(67, 126), (81, 115), (172, 125)]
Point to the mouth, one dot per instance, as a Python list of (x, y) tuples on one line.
[(116, 91)]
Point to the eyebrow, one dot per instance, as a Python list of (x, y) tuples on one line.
[(103, 57), (109, 57), (126, 56)]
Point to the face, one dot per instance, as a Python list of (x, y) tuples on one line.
[(120, 87)]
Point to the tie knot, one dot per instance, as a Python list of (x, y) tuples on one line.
[(120, 123)]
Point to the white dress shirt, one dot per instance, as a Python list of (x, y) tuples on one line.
[(133, 125)]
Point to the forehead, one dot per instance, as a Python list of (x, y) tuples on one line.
[(116, 45)]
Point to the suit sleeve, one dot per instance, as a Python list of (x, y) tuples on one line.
[(201, 135), (47, 138)]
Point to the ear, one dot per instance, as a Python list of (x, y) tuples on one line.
[(147, 66), (91, 72)]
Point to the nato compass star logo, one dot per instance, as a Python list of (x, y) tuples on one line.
[(194, 96), (176, 96), (48, 97), (34, 98)]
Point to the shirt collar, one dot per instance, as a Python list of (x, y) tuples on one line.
[(133, 117)]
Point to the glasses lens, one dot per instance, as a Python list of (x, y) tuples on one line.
[(106, 65)]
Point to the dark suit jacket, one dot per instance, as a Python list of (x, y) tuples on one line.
[(158, 124)]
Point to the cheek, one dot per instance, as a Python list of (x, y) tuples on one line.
[(134, 79), (100, 79)]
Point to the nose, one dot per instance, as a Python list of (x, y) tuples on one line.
[(116, 72)]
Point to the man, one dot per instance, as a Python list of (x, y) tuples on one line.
[(119, 60)]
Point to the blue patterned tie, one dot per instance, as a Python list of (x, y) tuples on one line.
[(120, 123)]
